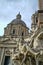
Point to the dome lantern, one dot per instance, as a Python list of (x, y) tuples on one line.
[(18, 16)]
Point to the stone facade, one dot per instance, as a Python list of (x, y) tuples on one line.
[(18, 46), (40, 4)]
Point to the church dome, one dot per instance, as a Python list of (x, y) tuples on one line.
[(18, 20), (17, 27)]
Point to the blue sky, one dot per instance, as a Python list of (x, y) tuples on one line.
[(10, 8)]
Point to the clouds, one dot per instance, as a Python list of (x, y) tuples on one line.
[(10, 8)]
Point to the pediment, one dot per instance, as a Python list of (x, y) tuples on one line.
[(9, 40)]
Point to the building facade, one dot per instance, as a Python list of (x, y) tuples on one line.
[(18, 46)]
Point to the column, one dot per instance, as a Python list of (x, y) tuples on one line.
[(30, 61), (37, 62), (2, 57)]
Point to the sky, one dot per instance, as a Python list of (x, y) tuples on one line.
[(10, 8)]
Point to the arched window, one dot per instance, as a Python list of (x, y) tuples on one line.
[(13, 31), (22, 33), (36, 20)]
